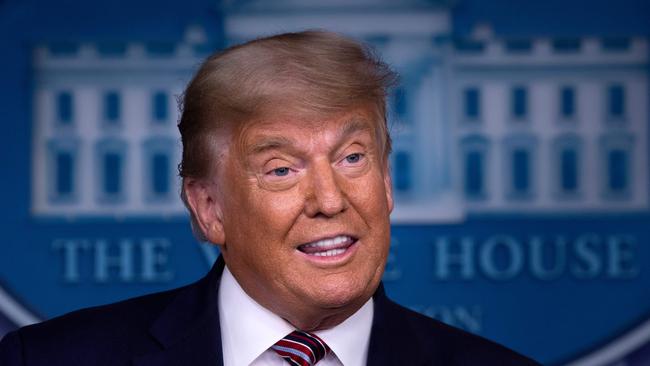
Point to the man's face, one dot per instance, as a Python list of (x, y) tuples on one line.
[(305, 211)]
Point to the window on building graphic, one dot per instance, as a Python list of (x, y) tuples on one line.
[(160, 106), (521, 171), (472, 103), (158, 178), (616, 101), (63, 49), (400, 103), (468, 46), (160, 174), (402, 171), (64, 172), (566, 45), (474, 152), (569, 178), (519, 102), (111, 49), (567, 102), (112, 107), (112, 166), (617, 170), (64, 107), (160, 49), (474, 174), (566, 166), (617, 153), (615, 44), (62, 168), (518, 45)]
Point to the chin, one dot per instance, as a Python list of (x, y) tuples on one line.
[(338, 296)]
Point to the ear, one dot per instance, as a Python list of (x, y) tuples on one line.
[(388, 186), (204, 202)]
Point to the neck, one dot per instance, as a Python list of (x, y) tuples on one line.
[(319, 320)]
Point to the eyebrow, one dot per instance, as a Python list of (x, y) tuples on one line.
[(353, 126), (270, 143), (278, 142)]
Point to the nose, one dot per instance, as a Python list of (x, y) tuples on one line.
[(324, 196)]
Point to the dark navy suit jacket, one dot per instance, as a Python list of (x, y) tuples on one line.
[(181, 327)]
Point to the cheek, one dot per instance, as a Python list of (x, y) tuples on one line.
[(270, 214), (370, 201), (369, 197)]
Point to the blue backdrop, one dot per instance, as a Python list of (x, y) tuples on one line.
[(520, 163)]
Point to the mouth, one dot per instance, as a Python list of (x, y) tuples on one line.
[(329, 247)]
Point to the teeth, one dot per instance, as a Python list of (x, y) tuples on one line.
[(329, 253), (328, 242)]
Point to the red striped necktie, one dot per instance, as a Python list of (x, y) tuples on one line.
[(301, 348)]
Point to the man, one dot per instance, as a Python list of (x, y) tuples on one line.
[(285, 167)]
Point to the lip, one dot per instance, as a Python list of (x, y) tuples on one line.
[(328, 236), (333, 260)]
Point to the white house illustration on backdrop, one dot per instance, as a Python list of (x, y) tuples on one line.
[(105, 138), (480, 125)]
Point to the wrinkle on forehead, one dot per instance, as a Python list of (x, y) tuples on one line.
[(349, 127), (287, 111)]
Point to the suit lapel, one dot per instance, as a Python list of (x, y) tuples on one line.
[(392, 340), (188, 330)]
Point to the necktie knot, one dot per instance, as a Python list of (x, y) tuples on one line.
[(301, 348)]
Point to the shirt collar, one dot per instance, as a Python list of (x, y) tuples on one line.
[(349, 340), (248, 329)]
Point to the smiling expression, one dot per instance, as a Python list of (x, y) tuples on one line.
[(304, 213)]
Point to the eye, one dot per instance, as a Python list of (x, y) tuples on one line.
[(280, 172), (353, 158), (354, 164)]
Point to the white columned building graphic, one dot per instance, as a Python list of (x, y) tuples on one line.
[(105, 137), (551, 125), (482, 125)]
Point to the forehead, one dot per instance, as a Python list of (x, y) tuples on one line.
[(277, 131)]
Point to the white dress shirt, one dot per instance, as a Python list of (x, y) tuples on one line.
[(248, 330)]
